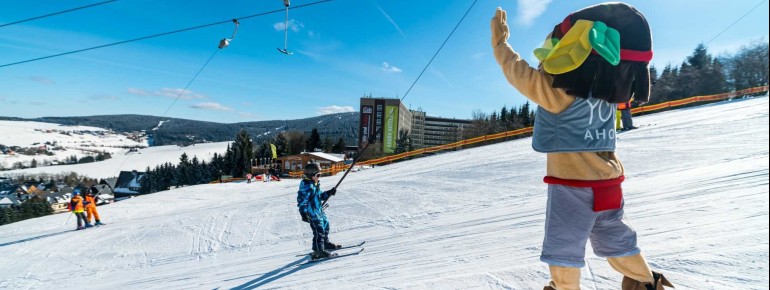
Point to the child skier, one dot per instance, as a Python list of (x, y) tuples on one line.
[(596, 58), (309, 201), (90, 203), (76, 206)]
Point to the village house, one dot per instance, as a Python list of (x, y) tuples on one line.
[(330, 164)]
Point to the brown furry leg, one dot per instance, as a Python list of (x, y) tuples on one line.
[(565, 278), (634, 267)]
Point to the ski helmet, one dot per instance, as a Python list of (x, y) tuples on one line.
[(76, 191), (311, 169)]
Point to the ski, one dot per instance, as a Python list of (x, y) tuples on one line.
[(334, 256), (350, 246), (342, 248)]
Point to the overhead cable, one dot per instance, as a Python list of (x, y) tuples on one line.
[(57, 13), (159, 34)]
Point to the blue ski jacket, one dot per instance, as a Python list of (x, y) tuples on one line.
[(309, 200)]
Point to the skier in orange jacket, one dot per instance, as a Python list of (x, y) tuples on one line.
[(90, 203)]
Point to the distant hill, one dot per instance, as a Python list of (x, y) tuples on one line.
[(174, 131)]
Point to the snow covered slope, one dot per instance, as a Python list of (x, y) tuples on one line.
[(696, 191), (125, 161), (64, 142)]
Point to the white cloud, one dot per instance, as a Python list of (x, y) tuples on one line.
[(179, 93), (528, 10), (211, 106), (388, 68), (478, 56), (169, 93), (294, 25), (335, 109), (138, 92), (104, 97), (42, 80)]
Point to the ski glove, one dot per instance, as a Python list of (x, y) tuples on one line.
[(332, 191), (306, 217)]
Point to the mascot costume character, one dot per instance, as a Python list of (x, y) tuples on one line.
[(594, 59)]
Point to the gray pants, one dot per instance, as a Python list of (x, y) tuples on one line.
[(570, 221)]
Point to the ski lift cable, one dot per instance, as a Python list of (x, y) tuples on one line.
[(736, 21), (178, 97), (56, 13), (159, 34), (373, 137)]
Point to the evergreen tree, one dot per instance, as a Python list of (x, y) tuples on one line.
[(404, 142), (11, 215), (243, 151), (196, 172), (297, 142), (328, 145), (504, 118), (2, 216), (184, 170), (699, 58), (493, 124), (281, 145), (146, 184), (314, 141), (515, 118), (229, 160), (339, 147), (526, 117)]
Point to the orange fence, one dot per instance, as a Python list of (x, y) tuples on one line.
[(696, 99), (650, 108)]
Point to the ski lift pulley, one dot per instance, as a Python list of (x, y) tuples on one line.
[(225, 42)]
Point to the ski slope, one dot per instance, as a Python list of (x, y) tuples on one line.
[(696, 192)]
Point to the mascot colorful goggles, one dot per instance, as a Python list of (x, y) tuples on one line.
[(563, 55)]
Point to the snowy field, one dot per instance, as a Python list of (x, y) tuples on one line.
[(79, 141), (696, 192), (125, 161)]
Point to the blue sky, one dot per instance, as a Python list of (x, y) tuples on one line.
[(343, 49)]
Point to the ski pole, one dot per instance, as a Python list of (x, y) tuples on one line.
[(68, 218), (372, 139)]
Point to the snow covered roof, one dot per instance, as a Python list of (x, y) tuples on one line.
[(9, 200), (326, 156), (5, 201)]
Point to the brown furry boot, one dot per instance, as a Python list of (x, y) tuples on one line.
[(659, 282)]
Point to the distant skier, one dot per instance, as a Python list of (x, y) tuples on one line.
[(76, 206), (594, 59), (309, 201), (90, 203), (248, 177), (625, 115)]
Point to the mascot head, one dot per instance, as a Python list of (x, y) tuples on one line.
[(601, 51)]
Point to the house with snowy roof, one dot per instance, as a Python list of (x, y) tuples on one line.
[(129, 183)]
